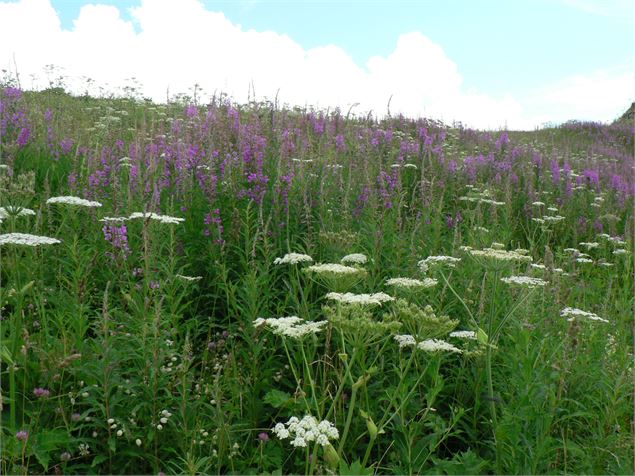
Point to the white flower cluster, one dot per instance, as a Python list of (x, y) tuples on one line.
[(332, 268), (154, 216), (411, 283), (500, 255), (26, 239), (306, 430), (524, 281), (538, 204), (428, 345), (6, 212), (589, 245), (360, 299), (431, 261), (405, 340), (553, 219), (76, 201), (291, 326), (573, 313), (620, 251), (354, 258), (293, 258), (464, 335), (542, 267), (582, 259), (113, 219), (188, 278)]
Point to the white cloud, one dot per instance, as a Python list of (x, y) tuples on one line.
[(177, 44)]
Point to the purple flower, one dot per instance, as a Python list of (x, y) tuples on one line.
[(263, 436), (76, 417), (23, 138), (22, 435), (40, 392)]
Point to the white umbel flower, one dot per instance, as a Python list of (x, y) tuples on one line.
[(6, 212), (293, 258), (411, 283), (332, 268), (308, 429), (464, 335), (405, 340), (524, 281), (26, 239), (437, 345), (291, 326), (354, 258), (76, 201), (188, 278), (360, 299), (500, 255), (573, 313), (154, 216), (430, 261)]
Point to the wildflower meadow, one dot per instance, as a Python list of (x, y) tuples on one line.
[(230, 288)]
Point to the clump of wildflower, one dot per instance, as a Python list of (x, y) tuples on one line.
[(84, 449), (354, 258), (360, 299), (433, 261), (26, 239), (573, 313), (291, 326), (75, 201), (293, 258), (524, 281), (306, 430), (154, 216), (411, 283), (463, 335)]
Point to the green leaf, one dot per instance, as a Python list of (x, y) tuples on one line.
[(277, 398), (482, 337), (97, 460), (355, 469)]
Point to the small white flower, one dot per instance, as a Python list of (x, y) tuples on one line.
[(405, 340), (293, 258), (163, 420), (159, 427), (449, 261), (411, 283), (137, 442), (464, 335), (524, 281), (188, 278), (436, 345), (360, 299), (119, 432), (354, 258), (76, 201), (298, 442), (111, 421), (573, 313), (26, 239), (160, 218)]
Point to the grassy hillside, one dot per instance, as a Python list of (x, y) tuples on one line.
[(140, 319)]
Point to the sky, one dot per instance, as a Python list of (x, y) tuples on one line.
[(488, 64)]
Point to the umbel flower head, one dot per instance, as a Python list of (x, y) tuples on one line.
[(291, 326), (410, 283), (437, 261), (306, 430), (428, 345), (6, 212), (573, 314), (354, 258), (154, 216), (360, 299), (293, 258), (524, 281), (75, 201), (26, 239)]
